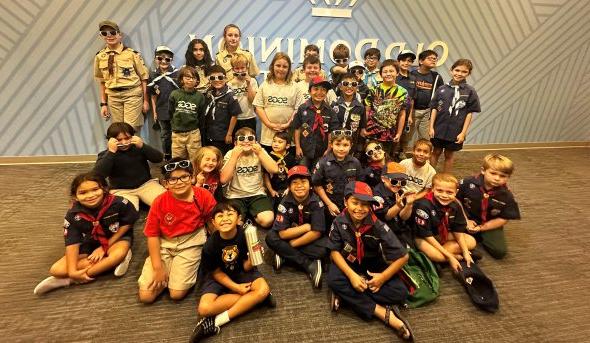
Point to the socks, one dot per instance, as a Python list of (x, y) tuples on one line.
[(221, 319)]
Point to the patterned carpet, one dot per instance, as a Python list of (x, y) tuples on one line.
[(543, 282)]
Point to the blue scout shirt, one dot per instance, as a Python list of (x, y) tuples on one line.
[(291, 213), (386, 200), (381, 246), (371, 174), (333, 175), (161, 85), (428, 215), (501, 203), (453, 109), (220, 109), (313, 142), (350, 117), (409, 83)]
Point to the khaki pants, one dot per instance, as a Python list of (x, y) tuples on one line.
[(126, 106), (186, 144), (421, 125), (181, 257), (146, 193)]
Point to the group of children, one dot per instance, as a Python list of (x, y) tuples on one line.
[(323, 178)]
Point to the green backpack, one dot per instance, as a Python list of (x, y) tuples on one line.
[(421, 278)]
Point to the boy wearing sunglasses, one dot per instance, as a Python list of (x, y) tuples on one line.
[(175, 231), (313, 122), (357, 69), (340, 55), (244, 87), (122, 79), (350, 110), (242, 177), (372, 77), (221, 114)]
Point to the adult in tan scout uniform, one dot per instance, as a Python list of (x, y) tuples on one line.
[(122, 78), (230, 46)]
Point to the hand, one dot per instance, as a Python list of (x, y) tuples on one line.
[(256, 148), (112, 145), (474, 230), (285, 126), (410, 121), (104, 112), (431, 132), (396, 138), (376, 281), (334, 210), (298, 152), (160, 280), (244, 288), (228, 139), (81, 276), (460, 138), (410, 198), (146, 106), (137, 141), (468, 258), (200, 179), (363, 133), (155, 116), (96, 255), (273, 193), (454, 263), (358, 283)]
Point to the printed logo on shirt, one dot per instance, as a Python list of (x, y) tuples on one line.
[(415, 180), (247, 170), (114, 227), (184, 105), (422, 214), (240, 91), (229, 255), (169, 218), (281, 208), (66, 224), (277, 100)]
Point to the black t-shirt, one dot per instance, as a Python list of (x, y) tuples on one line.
[(279, 180), (228, 255), (425, 85)]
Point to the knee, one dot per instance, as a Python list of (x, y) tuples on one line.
[(58, 270), (265, 219), (263, 291), (271, 238), (176, 294), (204, 309), (147, 297), (497, 252)]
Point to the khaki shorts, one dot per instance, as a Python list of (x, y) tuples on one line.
[(181, 256), (126, 106), (186, 144), (146, 193)]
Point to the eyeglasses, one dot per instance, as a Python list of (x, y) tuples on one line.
[(396, 182), (108, 33), (358, 71), (189, 77), (248, 138), (239, 74), (342, 133), (341, 60), (371, 152), (174, 180), (167, 59), (373, 58), (172, 166), (218, 77), (431, 58), (351, 84)]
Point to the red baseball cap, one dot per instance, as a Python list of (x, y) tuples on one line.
[(298, 171), (320, 81), (359, 190)]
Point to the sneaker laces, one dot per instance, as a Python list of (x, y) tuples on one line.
[(209, 326)]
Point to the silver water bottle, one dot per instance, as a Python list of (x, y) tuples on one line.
[(255, 248)]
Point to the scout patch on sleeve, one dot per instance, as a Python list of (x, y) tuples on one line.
[(125, 201), (386, 228), (66, 224), (320, 204), (420, 221), (422, 214), (282, 208), (279, 218)]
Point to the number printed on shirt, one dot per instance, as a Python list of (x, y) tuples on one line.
[(277, 100), (186, 105)]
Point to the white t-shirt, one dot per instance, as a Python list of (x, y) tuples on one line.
[(279, 102), (247, 180), (241, 95), (419, 178)]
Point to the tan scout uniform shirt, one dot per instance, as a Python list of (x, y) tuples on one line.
[(223, 58), (128, 68)]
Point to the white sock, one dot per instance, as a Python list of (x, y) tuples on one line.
[(221, 319)]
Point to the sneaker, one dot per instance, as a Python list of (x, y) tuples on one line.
[(334, 302), (124, 265), (270, 301), (205, 328), (315, 272), (50, 284), (278, 262)]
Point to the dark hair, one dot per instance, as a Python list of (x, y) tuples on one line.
[(117, 128), (364, 159), (243, 131), (426, 53), (463, 62), (88, 176), (187, 70), (388, 63), (284, 135), (347, 76), (226, 205), (311, 60), (341, 51), (166, 174), (189, 56), (215, 69), (311, 47), (373, 52)]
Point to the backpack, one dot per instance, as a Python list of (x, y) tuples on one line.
[(421, 279)]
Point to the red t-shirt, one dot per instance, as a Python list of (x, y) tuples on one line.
[(171, 217)]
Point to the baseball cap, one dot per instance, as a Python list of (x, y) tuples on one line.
[(406, 53), (356, 64), (359, 190), (395, 171), (298, 171), (479, 287), (164, 48), (108, 23), (320, 81)]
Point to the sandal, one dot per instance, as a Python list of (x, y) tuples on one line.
[(401, 331)]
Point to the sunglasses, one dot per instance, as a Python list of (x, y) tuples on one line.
[(218, 78), (174, 180), (206, 186), (248, 138), (167, 59), (108, 33), (172, 166), (371, 152), (358, 71), (239, 74), (396, 182), (341, 60), (351, 84), (342, 133)]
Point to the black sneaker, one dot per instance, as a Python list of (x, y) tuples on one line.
[(270, 301), (205, 328), (315, 273), (334, 302), (277, 263), (476, 254)]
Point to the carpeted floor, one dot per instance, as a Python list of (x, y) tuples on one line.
[(543, 282)]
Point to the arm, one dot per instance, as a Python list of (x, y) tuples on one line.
[(400, 125), (432, 120), (227, 282), (104, 110), (230, 129), (122, 230), (321, 192), (461, 137), (106, 159), (229, 168), (153, 99), (267, 162), (294, 232), (251, 90), (146, 104), (378, 279), (297, 138), (305, 239), (268, 185), (152, 154), (487, 226), (358, 283), (264, 118), (410, 113), (72, 256)]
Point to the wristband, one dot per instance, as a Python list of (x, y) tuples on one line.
[(103, 104)]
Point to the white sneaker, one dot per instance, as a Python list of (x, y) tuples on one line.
[(124, 265), (50, 284)]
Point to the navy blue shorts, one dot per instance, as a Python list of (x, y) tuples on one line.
[(445, 144), (89, 247), (212, 286)]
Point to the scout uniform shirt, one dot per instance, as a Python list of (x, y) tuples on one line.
[(161, 85), (372, 78), (223, 58), (370, 247), (482, 205), (433, 219), (453, 103), (333, 175), (291, 213), (314, 125), (387, 200), (221, 107), (350, 116), (125, 71)]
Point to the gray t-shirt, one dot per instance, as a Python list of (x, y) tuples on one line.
[(419, 178), (247, 180)]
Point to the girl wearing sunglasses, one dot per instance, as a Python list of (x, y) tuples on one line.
[(374, 159)]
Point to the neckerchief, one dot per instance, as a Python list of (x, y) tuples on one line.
[(456, 96), (485, 197), (359, 232), (97, 230), (318, 121), (213, 101), (166, 76), (443, 226)]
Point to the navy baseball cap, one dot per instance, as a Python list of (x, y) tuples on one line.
[(320, 81), (479, 287), (359, 190)]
